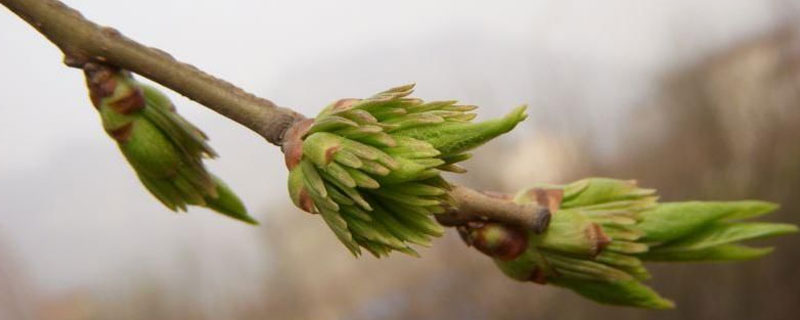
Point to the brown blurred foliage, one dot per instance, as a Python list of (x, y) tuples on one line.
[(727, 129)]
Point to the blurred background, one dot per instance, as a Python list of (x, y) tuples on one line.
[(698, 99)]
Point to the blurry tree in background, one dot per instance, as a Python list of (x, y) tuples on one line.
[(728, 127)]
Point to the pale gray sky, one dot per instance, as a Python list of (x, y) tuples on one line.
[(75, 215)]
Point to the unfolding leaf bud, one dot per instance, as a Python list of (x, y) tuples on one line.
[(164, 149), (372, 167), (602, 230)]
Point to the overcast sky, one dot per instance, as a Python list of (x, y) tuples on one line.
[(73, 213)]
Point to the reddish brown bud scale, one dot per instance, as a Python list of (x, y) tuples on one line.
[(598, 237), (330, 153), (293, 142), (123, 133), (463, 232), (100, 81), (306, 203), (344, 103), (132, 101), (550, 198), (499, 241), (538, 276)]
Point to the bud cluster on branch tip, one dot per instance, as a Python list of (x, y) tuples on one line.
[(604, 229), (371, 168), (164, 149)]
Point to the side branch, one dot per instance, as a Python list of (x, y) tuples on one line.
[(83, 41), (474, 206)]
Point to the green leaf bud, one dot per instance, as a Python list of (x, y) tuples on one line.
[(602, 230), (372, 167), (164, 149)]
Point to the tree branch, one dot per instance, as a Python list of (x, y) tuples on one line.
[(474, 206), (83, 41)]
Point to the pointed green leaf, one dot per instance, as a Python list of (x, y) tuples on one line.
[(726, 252), (339, 227), (321, 148), (331, 123), (227, 203), (725, 233), (670, 221), (603, 192), (362, 179), (356, 212), (457, 137), (625, 293), (312, 178), (341, 175)]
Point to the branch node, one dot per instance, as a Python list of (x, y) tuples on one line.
[(472, 208)]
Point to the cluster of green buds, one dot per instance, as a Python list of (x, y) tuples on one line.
[(602, 230), (372, 167), (164, 149)]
